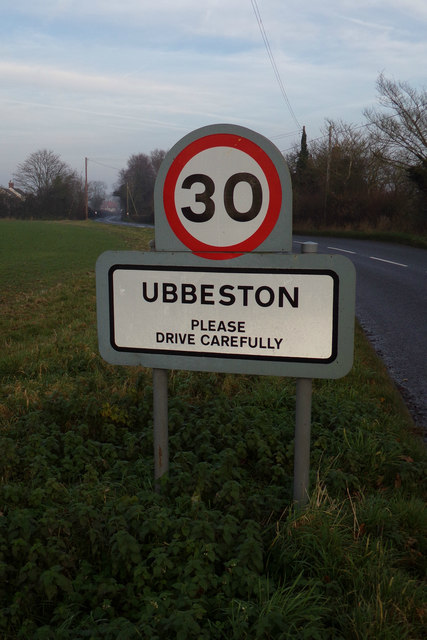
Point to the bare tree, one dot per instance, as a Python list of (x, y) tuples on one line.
[(341, 158), (97, 193), (400, 138), (401, 133), (157, 157), (38, 173), (54, 189), (136, 184)]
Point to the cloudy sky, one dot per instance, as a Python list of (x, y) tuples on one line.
[(104, 79)]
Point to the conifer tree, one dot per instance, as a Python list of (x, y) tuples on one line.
[(303, 154)]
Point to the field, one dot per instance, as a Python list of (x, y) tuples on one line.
[(89, 550)]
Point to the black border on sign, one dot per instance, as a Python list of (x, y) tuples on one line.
[(228, 356)]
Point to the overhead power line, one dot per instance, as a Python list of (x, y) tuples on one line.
[(273, 62), (109, 166), (285, 135)]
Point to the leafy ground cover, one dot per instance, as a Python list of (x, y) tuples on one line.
[(89, 550)]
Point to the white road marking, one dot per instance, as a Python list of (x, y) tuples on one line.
[(343, 250), (399, 264)]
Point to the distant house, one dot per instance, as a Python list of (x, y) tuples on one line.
[(13, 191), (11, 201), (110, 206)]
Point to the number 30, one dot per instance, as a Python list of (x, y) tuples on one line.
[(206, 197)]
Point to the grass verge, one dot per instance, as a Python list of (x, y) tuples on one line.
[(88, 550)]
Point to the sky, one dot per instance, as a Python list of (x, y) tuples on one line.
[(105, 79)]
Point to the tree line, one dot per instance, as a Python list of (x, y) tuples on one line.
[(367, 176), (48, 188), (45, 187)]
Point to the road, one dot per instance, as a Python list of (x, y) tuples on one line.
[(391, 306), (114, 218)]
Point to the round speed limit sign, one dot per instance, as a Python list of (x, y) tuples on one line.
[(222, 194)]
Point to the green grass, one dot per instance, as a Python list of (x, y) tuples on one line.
[(89, 550), (42, 253)]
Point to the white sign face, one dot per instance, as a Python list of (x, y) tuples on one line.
[(278, 314), (218, 205)]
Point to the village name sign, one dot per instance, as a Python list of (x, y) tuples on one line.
[(222, 290)]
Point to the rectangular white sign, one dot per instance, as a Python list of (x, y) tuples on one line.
[(259, 314)]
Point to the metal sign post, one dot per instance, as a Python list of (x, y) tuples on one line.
[(160, 428), (160, 419), (222, 290), (304, 388)]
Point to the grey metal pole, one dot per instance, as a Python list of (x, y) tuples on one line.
[(302, 440), (303, 424), (160, 417)]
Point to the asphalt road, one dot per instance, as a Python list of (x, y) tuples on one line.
[(391, 306)]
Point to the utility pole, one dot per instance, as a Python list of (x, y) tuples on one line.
[(328, 174), (86, 192)]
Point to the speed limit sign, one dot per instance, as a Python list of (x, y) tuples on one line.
[(223, 191)]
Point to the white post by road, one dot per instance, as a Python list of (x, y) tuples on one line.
[(303, 425)]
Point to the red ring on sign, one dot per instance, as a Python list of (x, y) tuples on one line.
[(273, 209)]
